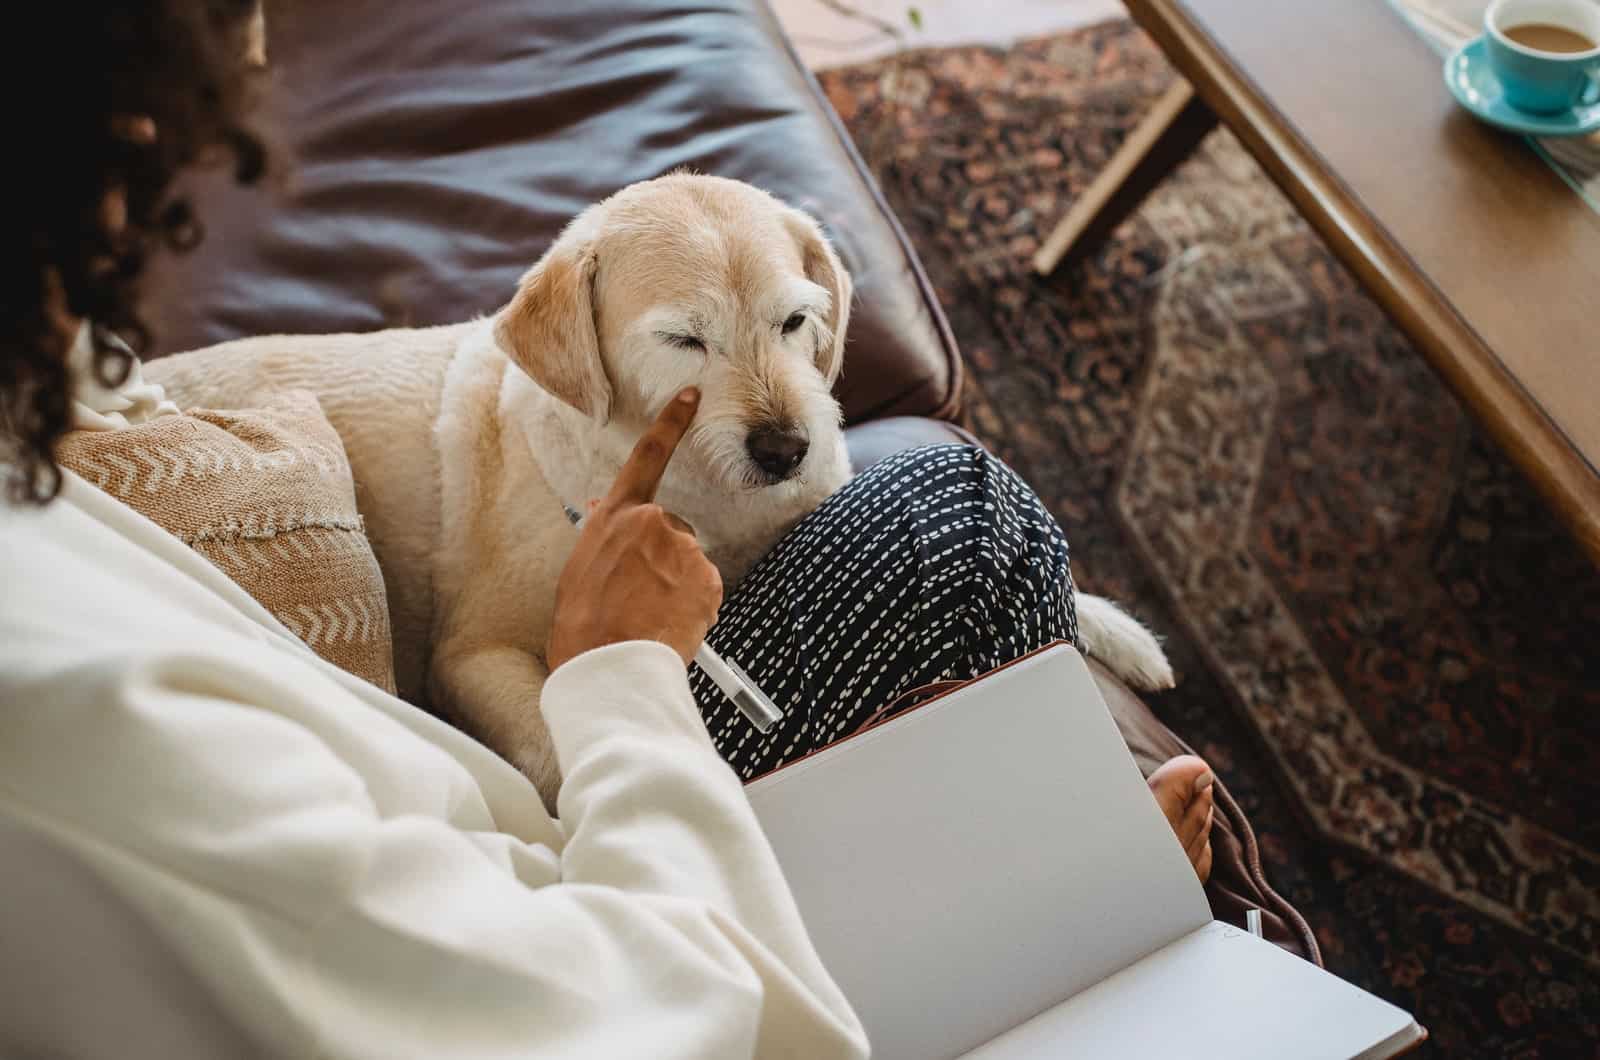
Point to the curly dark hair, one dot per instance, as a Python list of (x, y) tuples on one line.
[(108, 97)]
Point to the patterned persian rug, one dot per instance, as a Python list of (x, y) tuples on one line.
[(1387, 646)]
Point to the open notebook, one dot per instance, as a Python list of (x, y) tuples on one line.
[(987, 875)]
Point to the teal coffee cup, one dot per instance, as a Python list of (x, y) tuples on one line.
[(1545, 53)]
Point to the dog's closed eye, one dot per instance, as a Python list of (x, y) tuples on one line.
[(682, 341)]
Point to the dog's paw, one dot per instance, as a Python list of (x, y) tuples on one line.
[(1122, 644)]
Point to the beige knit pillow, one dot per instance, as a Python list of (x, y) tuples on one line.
[(265, 494)]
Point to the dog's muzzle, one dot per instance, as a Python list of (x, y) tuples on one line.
[(777, 450)]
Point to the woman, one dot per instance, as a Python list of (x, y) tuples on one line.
[(333, 871)]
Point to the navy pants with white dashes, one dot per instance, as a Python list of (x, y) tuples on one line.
[(934, 564)]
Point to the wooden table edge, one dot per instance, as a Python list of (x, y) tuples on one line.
[(1567, 480)]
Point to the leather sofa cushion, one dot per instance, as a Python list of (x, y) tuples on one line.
[(873, 441)]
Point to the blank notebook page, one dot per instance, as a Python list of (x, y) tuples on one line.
[(980, 859), (1218, 992)]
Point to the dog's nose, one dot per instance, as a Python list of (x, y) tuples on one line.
[(777, 452)]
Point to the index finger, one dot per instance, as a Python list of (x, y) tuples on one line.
[(641, 475)]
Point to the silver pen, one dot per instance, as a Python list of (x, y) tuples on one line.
[(737, 686)]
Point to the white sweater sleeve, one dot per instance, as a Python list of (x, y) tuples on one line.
[(328, 927), (670, 933), (651, 809)]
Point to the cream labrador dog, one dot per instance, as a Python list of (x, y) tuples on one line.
[(471, 442)]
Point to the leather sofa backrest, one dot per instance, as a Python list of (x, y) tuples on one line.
[(427, 154)]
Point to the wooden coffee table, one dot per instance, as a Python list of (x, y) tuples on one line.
[(1471, 243)]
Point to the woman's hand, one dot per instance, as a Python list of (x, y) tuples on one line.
[(637, 572)]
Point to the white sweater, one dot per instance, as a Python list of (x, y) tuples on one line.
[(347, 875)]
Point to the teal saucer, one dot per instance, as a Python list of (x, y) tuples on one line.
[(1472, 82)]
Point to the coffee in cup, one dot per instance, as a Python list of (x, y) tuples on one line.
[(1545, 53), (1543, 37)]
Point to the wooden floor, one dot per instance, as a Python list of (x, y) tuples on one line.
[(827, 38)]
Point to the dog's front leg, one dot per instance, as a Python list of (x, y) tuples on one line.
[(492, 692)]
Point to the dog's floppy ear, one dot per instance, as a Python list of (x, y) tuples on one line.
[(549, 328), (823, 268)]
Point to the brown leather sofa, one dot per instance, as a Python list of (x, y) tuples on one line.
[(430, 151)]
